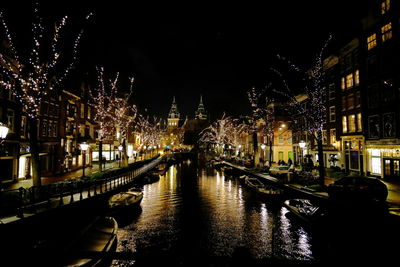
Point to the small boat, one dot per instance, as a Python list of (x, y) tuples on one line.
[(130, 198), (253, 183), (270, 191), (95, 244), (230, 171), (305, 210)]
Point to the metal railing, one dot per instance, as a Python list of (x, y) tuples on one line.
[(22, 201)]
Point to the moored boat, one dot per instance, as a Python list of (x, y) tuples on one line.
[(253, 183), (130, 198), (95, 245), (305, 210)]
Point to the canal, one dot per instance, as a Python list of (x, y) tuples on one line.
[(197, 216)]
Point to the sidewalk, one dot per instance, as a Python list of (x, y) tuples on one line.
[(26, 183)]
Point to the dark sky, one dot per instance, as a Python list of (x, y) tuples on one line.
[(217, 50)]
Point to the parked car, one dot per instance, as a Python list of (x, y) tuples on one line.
[(358, 188)]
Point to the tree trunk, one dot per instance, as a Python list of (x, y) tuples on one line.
[(321, 164), (125, 155), (100, 155), (34, 148), (270, 152)]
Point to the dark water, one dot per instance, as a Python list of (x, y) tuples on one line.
[(196, 216)]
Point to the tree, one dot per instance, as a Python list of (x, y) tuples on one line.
[(314, 113), (34, 76), (265, 112)]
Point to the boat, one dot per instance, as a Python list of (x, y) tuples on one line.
[(305, 210), (130, 198), (253, 183), (97, 240), (271, 192), (230, 171)]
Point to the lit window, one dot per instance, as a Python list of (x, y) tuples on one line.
[(343, 84), (10, 120), (331, 91), (359, 122), (332, 136), (386, 32), (352, 123), (385, 6), (349, 81), (82, 110), (371, 41), (332, 113), (357, 78), (344, 124)]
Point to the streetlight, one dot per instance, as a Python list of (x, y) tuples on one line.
[(302, 145), (84, 147), (263, 146), (3, 133), (120, 147)]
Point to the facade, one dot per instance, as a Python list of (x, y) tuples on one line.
[(380, 42)]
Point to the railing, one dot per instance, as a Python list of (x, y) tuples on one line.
[(19, 202)]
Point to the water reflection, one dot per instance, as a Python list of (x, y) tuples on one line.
[(200, 213)]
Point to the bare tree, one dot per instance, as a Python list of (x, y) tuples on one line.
[(38, 74)]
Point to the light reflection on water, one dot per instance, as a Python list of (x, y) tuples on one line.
[(204, 214)]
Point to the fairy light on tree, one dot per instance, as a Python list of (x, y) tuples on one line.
[(263, 111), (313, 115), (219, 133), (31, 78)]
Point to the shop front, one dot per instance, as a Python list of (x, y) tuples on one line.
[(384, 160), (354, 154)]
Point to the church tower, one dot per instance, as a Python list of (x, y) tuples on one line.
[(201, 112), (173, 115)]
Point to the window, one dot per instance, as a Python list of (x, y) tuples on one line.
[(331, 89), (23, 126), (374, 126), (349, 81), (332, 136), (89, 115), (343, 103), (352, 123), (371, 41), (359, 122), (10, 120), (82, 110), (386, 32), (344, 124), (280, 139), (357, 99), (385, 6), (44, 128), (350, 101), (357, 78), (343, 84), (332, 113), (324, 137)]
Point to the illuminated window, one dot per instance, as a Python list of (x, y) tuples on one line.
[(343, 84), (359, 122), (371, 41), (344, 124), (82, 110), (352, 123), (332, 113), (349, 81), (376, 166), (357, 78), (332, 136), (386, 32), (385, 6)]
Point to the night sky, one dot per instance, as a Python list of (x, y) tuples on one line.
[(217, 50)]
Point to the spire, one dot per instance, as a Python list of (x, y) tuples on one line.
[(201, 112), (173, 112)]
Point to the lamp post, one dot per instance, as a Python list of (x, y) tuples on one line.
[(120, 147), (84, 147), (263, 146), (302, 145)]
